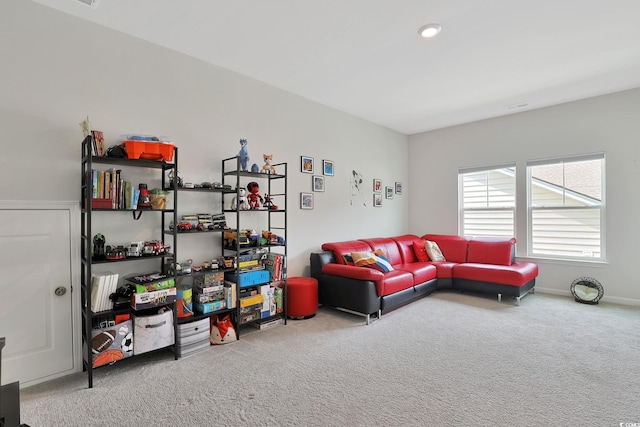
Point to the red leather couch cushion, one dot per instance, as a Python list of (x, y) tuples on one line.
[(454, 248), (341, 248), (388, 246), (422, 271), (491, 250), (405, 246), (394, 281), (516, 274), (386, 283)]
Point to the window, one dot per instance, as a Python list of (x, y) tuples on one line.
[(487, 201), (566, 207)]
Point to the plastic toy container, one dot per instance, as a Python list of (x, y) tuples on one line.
[(162, 151)]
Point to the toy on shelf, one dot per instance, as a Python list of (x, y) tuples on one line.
[(254, 195), (177, 179), (272, 238), (243, 155), (255, 168), (230, 238), (98, 246), (268, 203), (268, 166), (240, 202)]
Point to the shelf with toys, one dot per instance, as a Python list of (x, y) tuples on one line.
[(260, 273), (202, 293), (116, 304)]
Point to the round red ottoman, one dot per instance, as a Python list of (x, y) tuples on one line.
[(302, 297)]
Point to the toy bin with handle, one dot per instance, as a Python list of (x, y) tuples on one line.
[(161, 151)]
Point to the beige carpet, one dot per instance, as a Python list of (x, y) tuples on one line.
[(447, 360)]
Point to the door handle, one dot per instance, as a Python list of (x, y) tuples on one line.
[(60, 290)]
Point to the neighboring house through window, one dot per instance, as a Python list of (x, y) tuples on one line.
[(487, 201), (566, 207)]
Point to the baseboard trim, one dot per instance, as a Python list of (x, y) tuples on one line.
[(613, 300)]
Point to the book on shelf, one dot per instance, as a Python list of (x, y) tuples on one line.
[(97, 143), (102, 286), (110, 185)]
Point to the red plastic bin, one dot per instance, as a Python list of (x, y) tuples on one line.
[(148, 150)]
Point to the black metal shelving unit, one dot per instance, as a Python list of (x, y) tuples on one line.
[(86, 233), (176, 233), (276, 221)]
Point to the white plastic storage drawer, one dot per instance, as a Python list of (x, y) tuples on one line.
[(193, 337)]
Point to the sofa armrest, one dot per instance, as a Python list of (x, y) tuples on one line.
[(352, 272)]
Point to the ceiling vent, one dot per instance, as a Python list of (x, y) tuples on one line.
[(90, 3)]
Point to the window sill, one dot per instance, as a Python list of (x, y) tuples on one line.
[(563, 261)]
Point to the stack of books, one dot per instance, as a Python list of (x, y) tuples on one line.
[(102, 286), (111, 191)]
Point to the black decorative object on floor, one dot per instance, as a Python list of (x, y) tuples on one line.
[(587, 290)]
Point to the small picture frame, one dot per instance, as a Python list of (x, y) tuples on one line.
[(377, 186), (306, 164), (398, 188), (306, 200), (388, 192), (327, 167), (377, 200), (318, 183)]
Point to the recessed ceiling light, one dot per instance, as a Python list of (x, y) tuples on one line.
[(429, 30)]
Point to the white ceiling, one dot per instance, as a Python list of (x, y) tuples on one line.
[(365, 57)]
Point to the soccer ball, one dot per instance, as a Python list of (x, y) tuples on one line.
[(127, 343)]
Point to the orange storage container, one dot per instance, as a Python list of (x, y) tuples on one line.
[(148, 150)]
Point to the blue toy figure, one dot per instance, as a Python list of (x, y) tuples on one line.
[(243, 154)]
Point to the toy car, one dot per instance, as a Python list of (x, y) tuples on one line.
[(135, 249), (154, 247), (184, 226), (115, 253)]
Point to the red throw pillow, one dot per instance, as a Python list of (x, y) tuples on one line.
[(420, 250)]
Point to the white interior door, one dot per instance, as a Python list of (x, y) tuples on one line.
[(36, 320)]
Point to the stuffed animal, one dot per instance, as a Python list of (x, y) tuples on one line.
[(222, 330), (268, 167), (254, 195), (240, 201), (243, 155)]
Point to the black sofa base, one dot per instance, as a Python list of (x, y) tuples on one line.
[(398, 299), (493, 288)]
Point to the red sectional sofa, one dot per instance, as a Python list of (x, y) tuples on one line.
[(471, 264)]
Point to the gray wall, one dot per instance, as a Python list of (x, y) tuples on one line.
[(57, 69), (609, 123)]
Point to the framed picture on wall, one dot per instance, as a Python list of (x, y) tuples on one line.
[(306, 200), (327, 167), (398, 188), (306, 164), (318, 183), (377, 200), (377, 186), (389, 192)]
